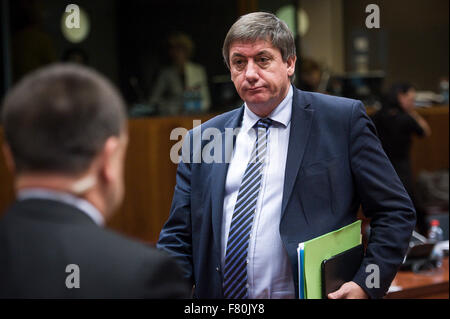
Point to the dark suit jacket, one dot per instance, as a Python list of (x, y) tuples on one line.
[(335, 163), (39, 238)]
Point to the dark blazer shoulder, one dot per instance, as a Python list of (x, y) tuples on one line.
[(143, 270), (328, 102), (225, 119), (329, 108), (111, 265)]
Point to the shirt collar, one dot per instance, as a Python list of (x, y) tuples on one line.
[(281, 114), (81, 204)]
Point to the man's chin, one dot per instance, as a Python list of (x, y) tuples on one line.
[(256, 100)]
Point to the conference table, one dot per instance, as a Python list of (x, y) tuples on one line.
[(430, 284)]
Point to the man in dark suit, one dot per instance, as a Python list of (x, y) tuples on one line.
[(65, 129), (312, 160)]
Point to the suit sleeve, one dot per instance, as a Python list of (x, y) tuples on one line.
[(176, 236), (384, 200)]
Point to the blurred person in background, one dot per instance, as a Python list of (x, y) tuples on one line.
[(396, 124), (182, 86), (310, 75), (66, 137)]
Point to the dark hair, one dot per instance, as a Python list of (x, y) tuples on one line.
[(70, 54), (58, 118), (260, 26), (391, 99)]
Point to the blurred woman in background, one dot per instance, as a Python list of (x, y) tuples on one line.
[(396, 123), (183, 86)]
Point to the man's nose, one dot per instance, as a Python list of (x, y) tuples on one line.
[(251, 72)]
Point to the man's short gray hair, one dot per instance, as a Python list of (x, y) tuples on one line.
[(260, 26)]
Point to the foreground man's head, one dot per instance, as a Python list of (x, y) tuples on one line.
[(65, 130)]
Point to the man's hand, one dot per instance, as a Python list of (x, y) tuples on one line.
[(349, 290)]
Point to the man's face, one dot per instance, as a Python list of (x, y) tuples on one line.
[(407, 99), (260, 75)]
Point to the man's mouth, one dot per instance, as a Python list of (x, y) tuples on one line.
[(255, 89)]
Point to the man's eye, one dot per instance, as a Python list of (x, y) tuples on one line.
[(263, 60), (238, 64)]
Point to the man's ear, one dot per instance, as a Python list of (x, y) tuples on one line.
[(9, 158), (291, 65), (108, 159)]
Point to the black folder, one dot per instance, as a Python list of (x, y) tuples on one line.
[(341, 268)]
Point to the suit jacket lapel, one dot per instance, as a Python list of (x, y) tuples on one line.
[(301, 120), (218, 177)]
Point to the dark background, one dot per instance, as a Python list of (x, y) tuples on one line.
[(128, 38)]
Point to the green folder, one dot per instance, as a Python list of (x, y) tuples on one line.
[(324, 247)]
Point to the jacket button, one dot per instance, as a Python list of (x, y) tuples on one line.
[(217, 269)]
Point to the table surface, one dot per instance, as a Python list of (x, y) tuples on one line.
[(429, 284)]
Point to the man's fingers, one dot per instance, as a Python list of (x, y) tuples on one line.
[(332, 296), (348, 290), (338, 294), (341, 293)]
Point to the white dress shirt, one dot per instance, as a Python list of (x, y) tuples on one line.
[(268, 269), (81, 204)]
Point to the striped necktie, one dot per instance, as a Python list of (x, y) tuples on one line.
[(235, 266)]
